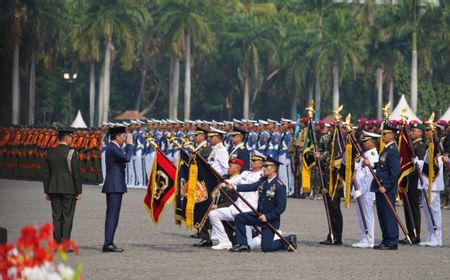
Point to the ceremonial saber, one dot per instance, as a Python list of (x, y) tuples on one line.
[(424, 192), (322, 183), (275, 231), (388, 201)]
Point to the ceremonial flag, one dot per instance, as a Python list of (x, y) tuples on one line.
[(337, 152), (308, 158), (406, 164), (345, 173), (182, 178), (430, 170), (160, 188), (207, 183)]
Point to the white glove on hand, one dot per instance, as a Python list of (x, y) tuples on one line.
[(415, 160), (358, 193)]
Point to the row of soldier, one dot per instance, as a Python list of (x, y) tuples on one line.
[(23, 150)]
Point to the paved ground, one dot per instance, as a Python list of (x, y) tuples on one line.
[(165, 251)]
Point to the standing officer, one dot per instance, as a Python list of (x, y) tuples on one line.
[(271, 204), (115, 185), (62, 184), (388, 171), (413, 193), (239, 149)]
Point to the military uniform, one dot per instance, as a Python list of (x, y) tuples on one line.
[(62, 183), (388, 171)]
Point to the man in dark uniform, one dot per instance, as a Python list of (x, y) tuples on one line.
[(201, 144), (271, 204), (238, 149), (62, 185), (115, 185), (413, 193), (388, 171)]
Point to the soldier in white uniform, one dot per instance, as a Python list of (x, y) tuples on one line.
[(363, 179), (227, 214), (433, 240), (218, 159)]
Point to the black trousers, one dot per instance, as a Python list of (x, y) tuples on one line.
[(63, 210), (414, 199), (334, 207)]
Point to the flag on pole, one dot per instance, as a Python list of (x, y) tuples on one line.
[(406, 164), (160, 188), (308, 158)]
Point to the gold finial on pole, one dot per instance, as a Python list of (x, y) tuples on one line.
[(337, 114), (403, 115), (387, 110), (431, 123), (310, 109)]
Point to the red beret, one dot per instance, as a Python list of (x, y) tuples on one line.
[(237, 161)]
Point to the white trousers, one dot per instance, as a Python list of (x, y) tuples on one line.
[(285, 173), (216, 217), (366, 200), (103, 165), (148, 160), (436, 211), (139, 175)]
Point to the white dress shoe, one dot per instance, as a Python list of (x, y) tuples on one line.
[(223, 246)]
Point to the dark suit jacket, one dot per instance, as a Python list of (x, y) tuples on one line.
[(116, 160), (57, 178), (388, 170)]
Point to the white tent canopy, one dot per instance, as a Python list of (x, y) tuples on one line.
[(78, 121), (395, 115), (446, 115)]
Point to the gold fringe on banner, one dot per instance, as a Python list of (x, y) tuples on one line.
[(431, 174), (193, 172), (152, 186), (306, 177), (331, 185), (348, 171)]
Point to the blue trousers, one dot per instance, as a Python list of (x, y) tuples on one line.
[(113, 204), (267, 242), (388, 223)]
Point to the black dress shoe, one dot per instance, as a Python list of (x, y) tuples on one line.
[(112, 249), (239, 248), (385, 247), (293, 241), (195, 235), (329, 242), (404, 241), (204, 243)]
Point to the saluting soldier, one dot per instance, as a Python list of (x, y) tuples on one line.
[(62, 184), (388, 171)]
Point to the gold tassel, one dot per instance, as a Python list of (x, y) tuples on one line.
[(431, 174), (153, 186), (306, 177), (331, 185), (348, 172), (193, 172), (381, 146)]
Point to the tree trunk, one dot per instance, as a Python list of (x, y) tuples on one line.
[(187, 78), (100, 99), (176, 87), (15, 118), (335, 85), (379, 78), (144, 70), (32, 87), (92, 93), (317, 101), (391, 90), (311, 89), (172, 63), (107, 78), (293, 113), (246, 103), (414, 74)]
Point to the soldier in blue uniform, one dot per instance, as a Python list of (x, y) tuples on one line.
[(238, 149), (388, 171), (271, 204)]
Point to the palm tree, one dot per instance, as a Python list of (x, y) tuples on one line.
[(340, 50), (119, 22), (185, 24)]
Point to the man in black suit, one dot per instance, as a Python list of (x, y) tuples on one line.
[(114, 185), (62, 184)]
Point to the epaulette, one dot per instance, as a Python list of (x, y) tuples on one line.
[(280, 182)]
